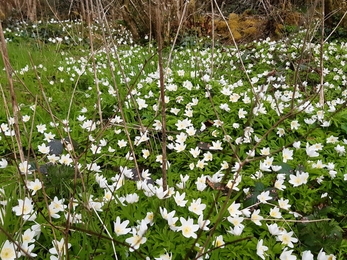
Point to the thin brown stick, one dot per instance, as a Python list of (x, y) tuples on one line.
[(98, 93), (162, 94), (177, 33), (321, 89)]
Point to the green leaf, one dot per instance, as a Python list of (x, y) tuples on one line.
[(344, 127)]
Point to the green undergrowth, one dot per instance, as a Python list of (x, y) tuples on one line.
[(256, 162)]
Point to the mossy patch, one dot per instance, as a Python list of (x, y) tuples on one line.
[(243, 27)]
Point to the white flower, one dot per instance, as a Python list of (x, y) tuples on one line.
[(165, 256), (218, 123), (264, 196), (242, 113), (219, 242), (141, 103), (141, 139), (261, 249), (237, 230), (280, 132), (236, 221), (287, 255), (263, 166), (93, 167), (53, 212), (322, 256), (122, 143), (41, 128), (310, 121), (34, 186), (276, 168), (208, 156), (297, 144), (81, 118), (59, 247), (160, 193), (89, 125), (136, 240), (27, 250), (191, 131), (165, 215), (132, 198), (3, 163), (206, 78), (298, 179), (145, 153), (107, 195), (58, 204), (183, 124), (24, 167), (294, 125), (311, 150), (234, 209), (180, 73), (307, 255), (236, 167), (180, 147), (332, 139), (234, 97), (216, 145), (279, 185), (103, 142), (179, 199), (49, 136), (318, 165), (201, 183), (256, 217), (274, 229), (275, 212), (174, 111), (203, 224), (195, 152), (146, 174), (188, 228), (25, 207), (340, 150), (287, 154), (95, 149), (197, 207), (201, 164), (149, 218), (188, 85), (157, 125), (326, 124), (283, 204), (332, 174), (65, 159), (28, 236), (8, 251), (96, 205), (225, 107), (26, 118), (121, 228), (53, 158), (287, 239)]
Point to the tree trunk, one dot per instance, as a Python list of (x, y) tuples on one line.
[(31, 10)]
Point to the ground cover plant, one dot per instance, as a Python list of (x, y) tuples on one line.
[(256, 158)]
